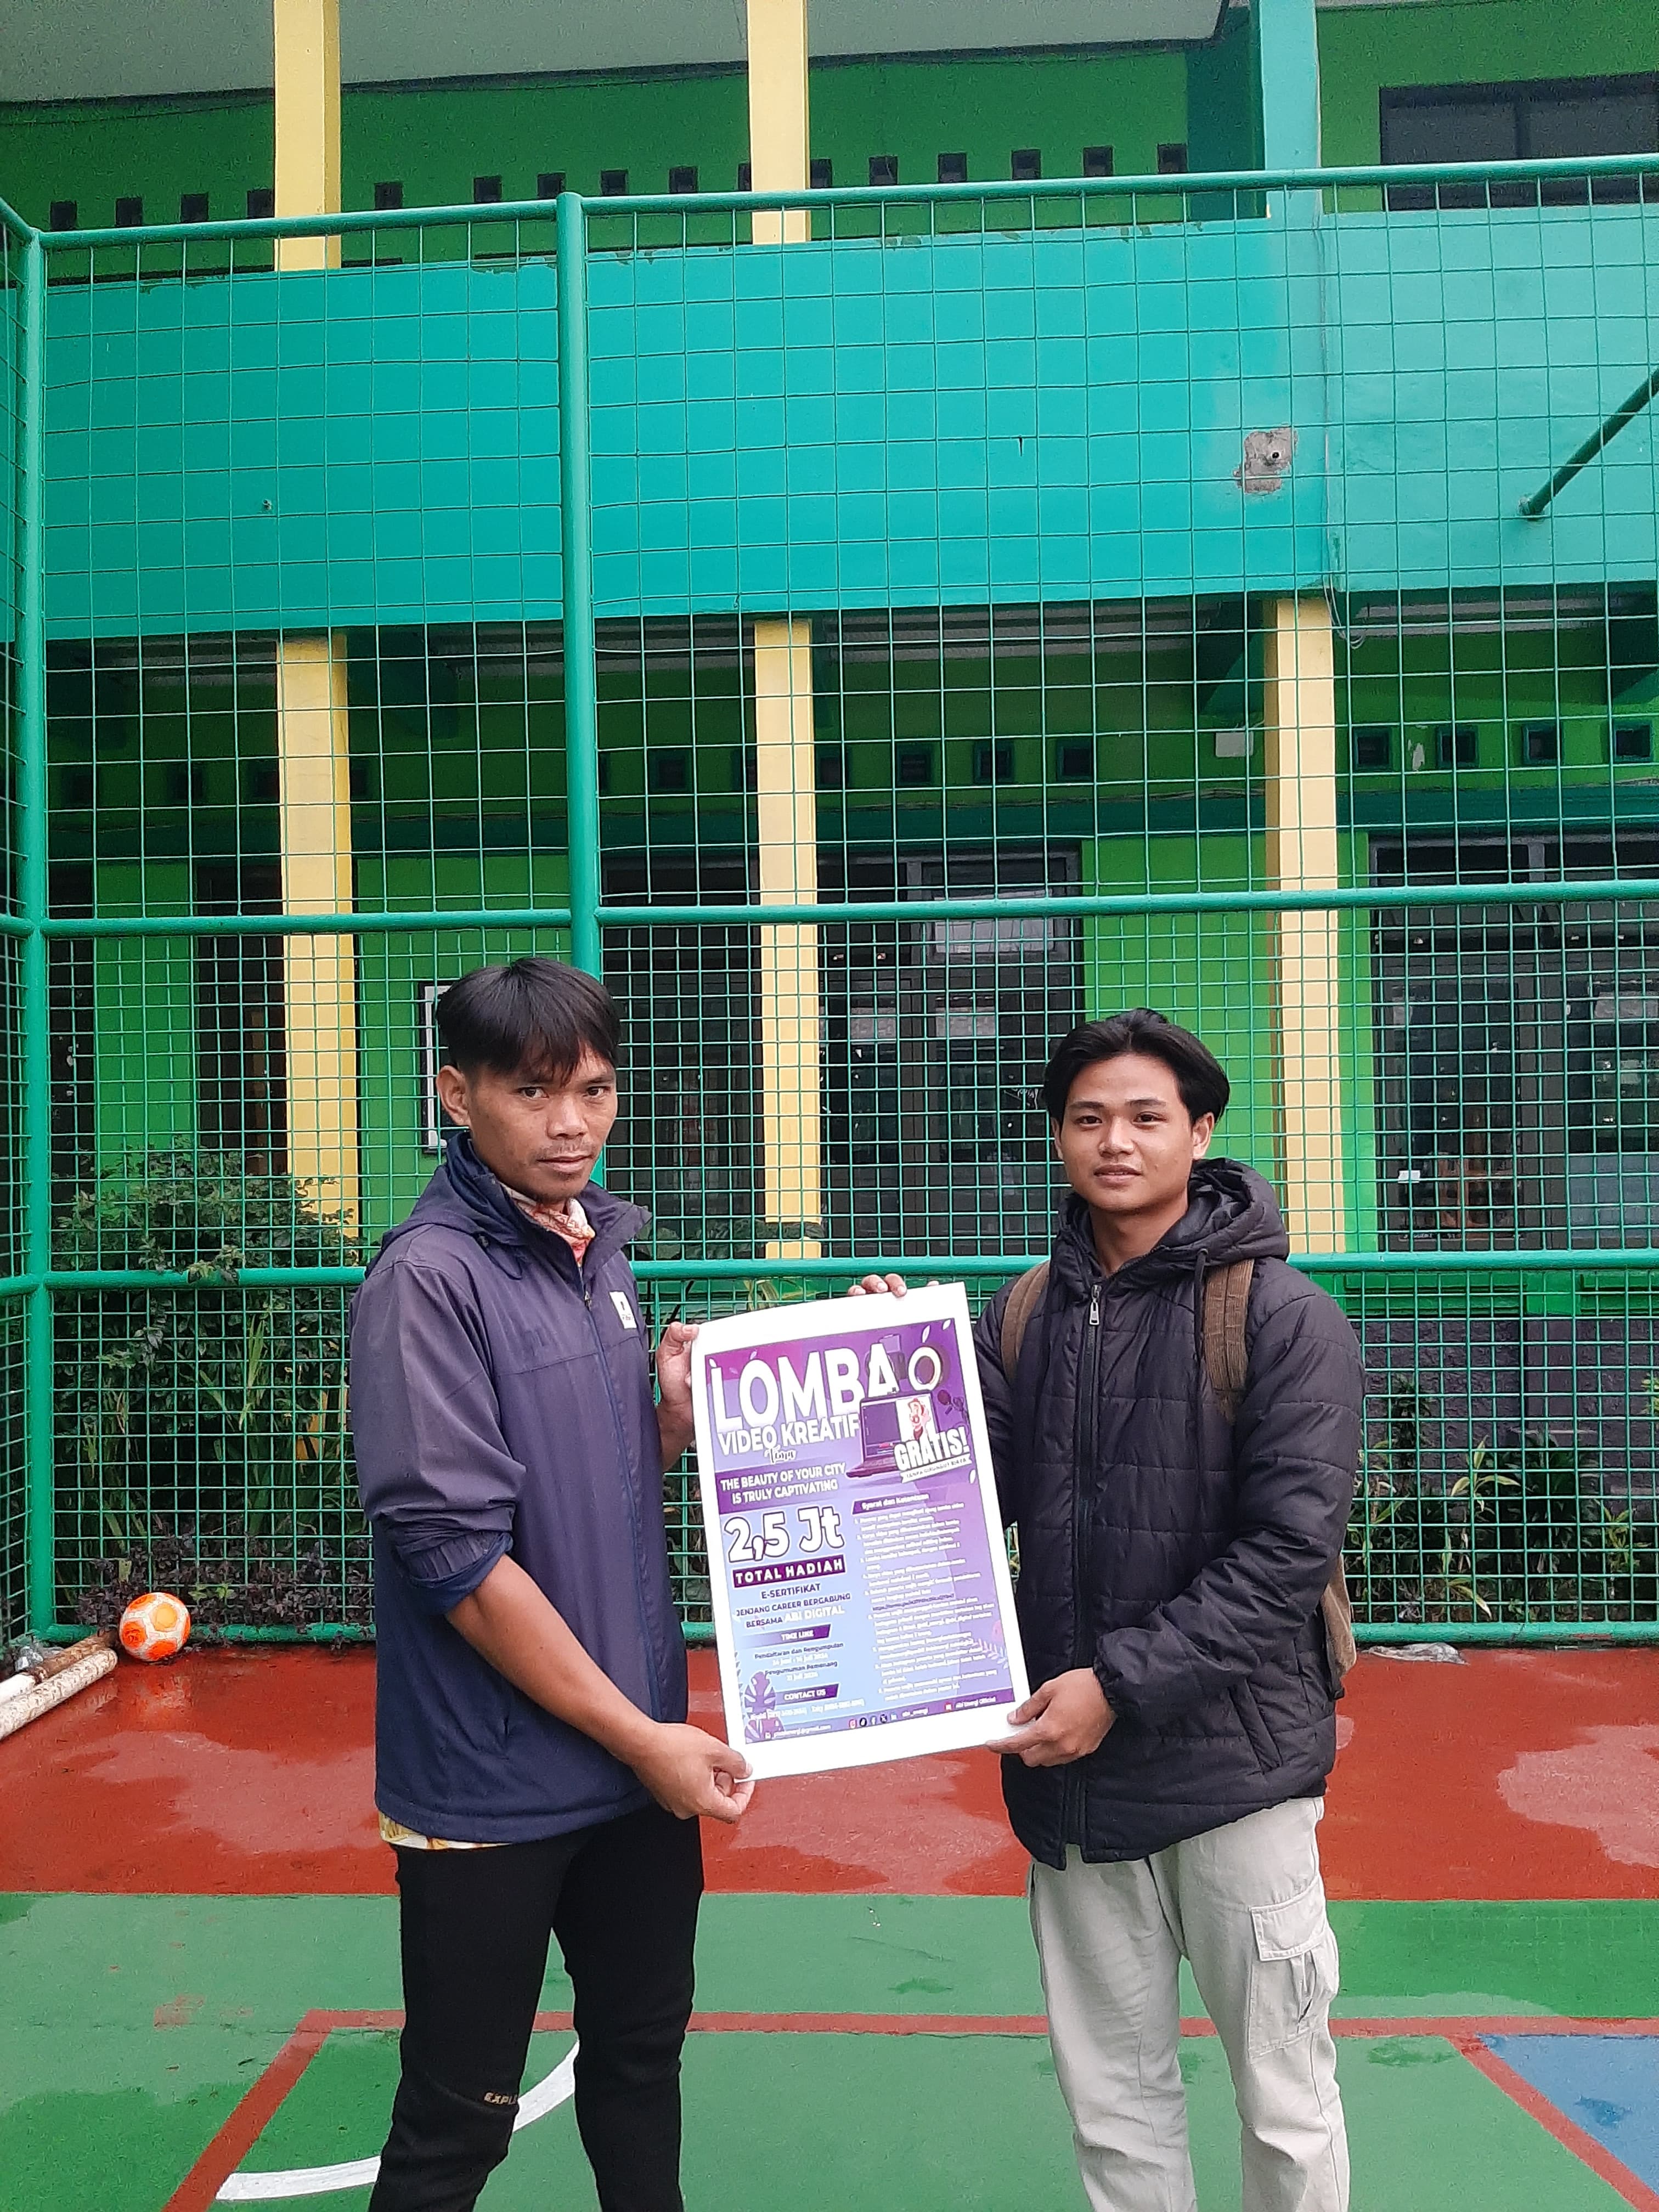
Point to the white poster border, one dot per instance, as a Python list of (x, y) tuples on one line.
[(978, 1727)]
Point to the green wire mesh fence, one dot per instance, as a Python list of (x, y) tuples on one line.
[(874, 631)]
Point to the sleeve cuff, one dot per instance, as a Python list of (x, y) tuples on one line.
[(438, 1580)]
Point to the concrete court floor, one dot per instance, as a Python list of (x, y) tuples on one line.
[(198, 1960)]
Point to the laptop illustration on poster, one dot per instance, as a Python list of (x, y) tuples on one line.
[(887, 1423)]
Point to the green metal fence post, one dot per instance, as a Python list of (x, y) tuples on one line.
[(581, 720), (33, 1004)]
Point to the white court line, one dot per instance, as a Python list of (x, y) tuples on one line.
[(555, 2089)]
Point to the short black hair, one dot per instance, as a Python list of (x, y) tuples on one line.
[(1200, 1077), (534, 1015)]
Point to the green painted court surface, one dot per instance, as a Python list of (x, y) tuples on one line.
[(133, 2026)]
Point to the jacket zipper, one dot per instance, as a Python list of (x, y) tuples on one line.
[(1082, 1641), (628, 1485)]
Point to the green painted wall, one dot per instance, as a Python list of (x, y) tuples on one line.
[(1361, 48), (434, 140), (143, 1073), (393, 967), (1213, 973), (95, 152)]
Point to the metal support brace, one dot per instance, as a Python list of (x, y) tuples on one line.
[(1300, 715), (1626, 411)]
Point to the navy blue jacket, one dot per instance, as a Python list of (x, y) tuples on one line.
[(501, 1403), (1182, 1559)]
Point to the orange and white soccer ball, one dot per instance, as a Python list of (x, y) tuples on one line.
[(155, 1626)]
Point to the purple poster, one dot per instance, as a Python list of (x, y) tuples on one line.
[(862, 1605)]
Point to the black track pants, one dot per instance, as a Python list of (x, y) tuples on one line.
[(622, 1899)]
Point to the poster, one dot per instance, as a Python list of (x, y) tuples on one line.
[(861, 1598)]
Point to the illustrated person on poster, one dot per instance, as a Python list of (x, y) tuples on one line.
[(1179, 1535)]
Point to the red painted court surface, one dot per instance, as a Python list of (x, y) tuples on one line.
[(199, 1957), (1511, 1776)]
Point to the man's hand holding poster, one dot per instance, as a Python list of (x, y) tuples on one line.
[(862, 1603)]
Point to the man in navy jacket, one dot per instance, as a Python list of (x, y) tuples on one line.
[(535, 1770)]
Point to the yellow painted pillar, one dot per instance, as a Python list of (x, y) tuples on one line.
[(1299, 711), (306, 39), (786, 806), (319, 973), (780, 139), (785, 779)]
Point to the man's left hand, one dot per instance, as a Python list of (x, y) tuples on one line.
[(1066, 1719), (674, 1416), (674, 1364)]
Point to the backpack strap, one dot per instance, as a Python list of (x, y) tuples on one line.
[(1017, 1314), (1226, 1353), (1226, 1362)]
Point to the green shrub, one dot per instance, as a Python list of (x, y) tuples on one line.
[(201, 1436)]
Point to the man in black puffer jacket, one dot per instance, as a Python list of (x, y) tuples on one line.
[(1170, 1768)]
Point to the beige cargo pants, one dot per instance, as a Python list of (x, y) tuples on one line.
[(1246, 1905)]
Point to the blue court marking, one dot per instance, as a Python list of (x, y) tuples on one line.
[(1608, 2085)]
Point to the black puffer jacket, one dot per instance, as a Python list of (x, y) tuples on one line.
[(1183, 1560)]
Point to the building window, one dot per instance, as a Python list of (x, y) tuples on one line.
[(486, 191), (953, 168), (913, 764), (820, 174), (745, 176), (884, 169), (1172, 158), (1556, 118), (1373, 749), (388, 197), (1540, 744), (129, 212), (829, 767), (682, 179), (1098, 161), (1025, 165), (1076, 760), (1454, 745), (993, 762), (670, 771), (550, 183), (1633, 741), (261, 202), (65, 216), (613, 183), (192, 207)]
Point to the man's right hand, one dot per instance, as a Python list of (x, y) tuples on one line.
[(692, 1773)]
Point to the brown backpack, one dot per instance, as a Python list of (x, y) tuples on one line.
[(1226, 1362)]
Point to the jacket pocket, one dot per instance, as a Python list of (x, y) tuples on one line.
[(1259, 1735), (1293, 1971)]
